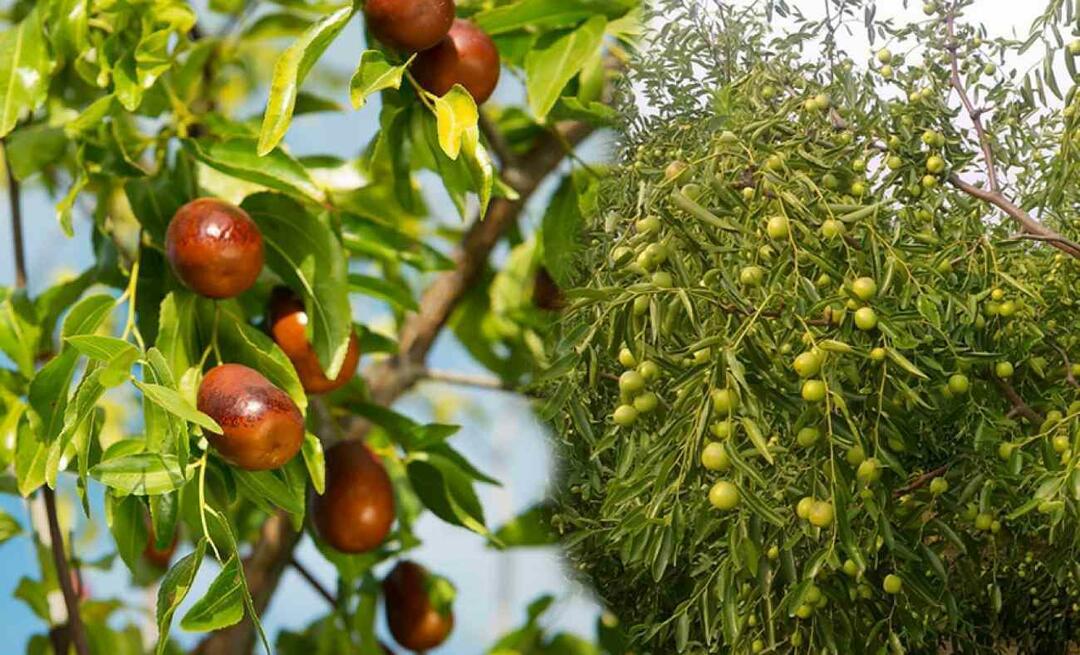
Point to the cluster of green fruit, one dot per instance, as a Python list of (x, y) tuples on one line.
[(634, 395), (835, 337)]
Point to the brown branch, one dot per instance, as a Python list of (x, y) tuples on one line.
[(311, 580), (921, 481), (391, 378), (1068, 365), (975, 114), (467, 380), (15, 203), (75, 628), (1030, 225), (497, 141), (1018, 405)]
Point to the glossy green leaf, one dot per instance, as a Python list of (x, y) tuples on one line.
[(456, 117), (289, 72), (177, 405), (274, 170), (174, 589), (223, 603), (141, 474), (24, 69), (398, 295), (312, 451), (374, 73), (556, 60)]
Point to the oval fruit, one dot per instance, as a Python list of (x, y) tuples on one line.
[(288, 327), (215, 248), (262, 428), (714, 457), (724, 495), (465, 56), (409, 25), (415, 623), (355, 512)]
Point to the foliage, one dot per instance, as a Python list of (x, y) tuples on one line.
[(815, 388), (124, 111)]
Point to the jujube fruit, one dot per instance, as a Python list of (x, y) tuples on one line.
[(415, 623), (159, 557), (466, 56), (215, 248), (355, 512), (262, 428), (546, 292), (409, 25), (288, 323)]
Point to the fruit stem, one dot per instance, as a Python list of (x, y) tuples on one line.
[(202, 505), (130, 329), (424, 95), (214, 336)]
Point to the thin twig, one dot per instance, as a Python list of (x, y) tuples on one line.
[(15, 201), (1068, 365), (75, 626), (311, 580), (973, 113), (921, 481), (467, 380)]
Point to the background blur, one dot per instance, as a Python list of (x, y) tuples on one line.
[(500, 434)]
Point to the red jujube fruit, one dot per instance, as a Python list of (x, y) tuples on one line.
[(466, 56), (262, 428), (409, 25), (355, 512), (288, 323), (414, 622), (215, 248)]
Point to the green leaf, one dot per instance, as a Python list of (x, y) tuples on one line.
[(126, 517), (9, 527), (555, 61), (223, 604), (269, 490), (30, 149), (275, 170), (546, 14), (31, 458), (76, 414), (19, 332), (530, 528), (141, 474), (315, 462), (172, 402), (398, 295), (447, 491), (906, 364), (373, 74), (456, 116), (175, 586), (289, 72), (305, 252), (372, 238), (102, 348), (24, 69), (275, 26), (561, 232)]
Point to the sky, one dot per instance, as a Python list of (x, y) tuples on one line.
[(500, 433)]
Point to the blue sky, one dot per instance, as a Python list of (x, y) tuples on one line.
[(500, 435)]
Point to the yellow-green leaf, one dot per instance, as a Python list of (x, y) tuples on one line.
[(457, 118), (373, 74)]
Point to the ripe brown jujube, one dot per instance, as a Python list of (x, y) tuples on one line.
[(288, 322), (215, 248), (466, 56), (356, 511), (409, 25), (413, 621), (262, 426), (546, 292)]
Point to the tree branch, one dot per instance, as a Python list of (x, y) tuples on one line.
[(75, 630), (466, 380), (389, 379), (1018, 405), (313, 581), (973, 113)]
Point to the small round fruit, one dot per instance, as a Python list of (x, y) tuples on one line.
[(884, 56), (869, 471), (1006, 450), (641, 305), (627, 359), (813, 391), (631, 382), (807, 364), (646, 402), (983, 521), (866, 318), (886, 71), (892, 584), (1003, 369), (804, 611), (676, 171), (821, 514), (808, 436), (864, 288), (878, 354), (803, 507), (356, 510), (288, 327), (725, 401), (416, 622), (894, 162), (649, 370), (714, 457), (409, 25), (858, 189), (724, 495), (1060, 443), (751, 276), (721, 429), (939, 486), (465, 56), (214, 248), (959, 383), (649, 225), (262, 428), (625, 415), (1007, 309), (851, 569), (935, 164), (778, 227), (832, 228), (855, 455)]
